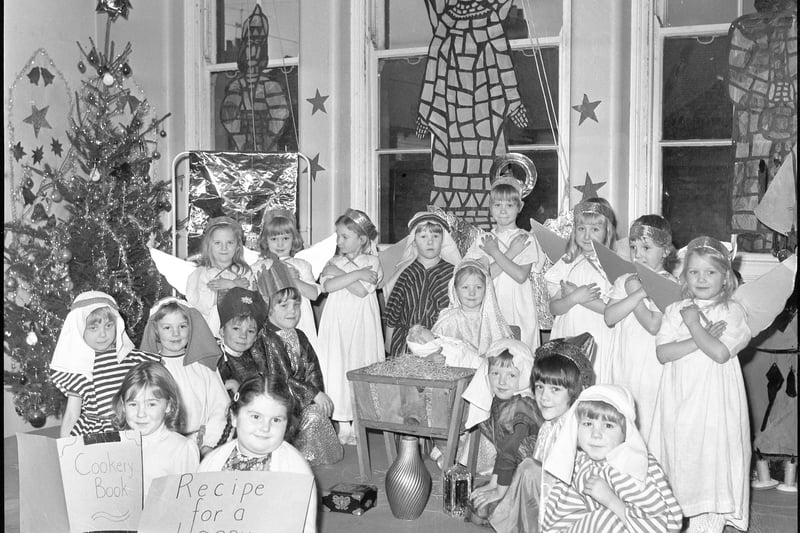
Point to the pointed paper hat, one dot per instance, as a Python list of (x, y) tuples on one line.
[(274, 279), (580, 350)]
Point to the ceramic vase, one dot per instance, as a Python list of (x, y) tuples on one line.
[(408, 482)]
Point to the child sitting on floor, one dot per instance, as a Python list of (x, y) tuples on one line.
[(290, 356), (178, 333), (263, 415), (608, 480), (91, 358), (502, 402), (561, 370), (242, 314)]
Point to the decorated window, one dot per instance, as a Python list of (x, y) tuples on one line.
[(722, 89), (251, 91), (403, 41)]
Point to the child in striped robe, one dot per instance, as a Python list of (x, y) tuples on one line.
[(608, 480), (91, 358)]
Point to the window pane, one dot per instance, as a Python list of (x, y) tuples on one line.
[(697, 192), (406, 181), (400, 81), (406, 23), (283, 35), (693, 12), (533, 96), (695, 95), (271, 118), (542, 203)]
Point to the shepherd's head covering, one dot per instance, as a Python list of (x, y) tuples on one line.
[(274, 279), (72, 354), (241, 302), (479, 391), (202, 347), (580, 349), (630, 457), (493, 326), (449, 252)]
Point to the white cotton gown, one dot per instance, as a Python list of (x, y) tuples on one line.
[(579, 319), (350, 332), (633, 360), (701, 434), (516, 300)]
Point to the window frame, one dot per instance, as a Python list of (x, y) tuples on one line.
[(646, 142), (200, 43), (369, 136)]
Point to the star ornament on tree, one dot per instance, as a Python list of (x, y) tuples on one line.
[(114, 8), (586, 109), (18, 151), (589, 189), (318, 103)]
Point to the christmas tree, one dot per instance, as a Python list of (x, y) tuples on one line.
[(89, 227)]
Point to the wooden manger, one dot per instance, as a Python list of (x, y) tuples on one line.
[(411, 396)]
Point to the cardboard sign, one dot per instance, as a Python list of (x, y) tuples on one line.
[(76, 484), (553, 244), (227, 501), (662, 290), (613, 264), (765, 297)]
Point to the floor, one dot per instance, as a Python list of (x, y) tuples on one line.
[(771, 511)]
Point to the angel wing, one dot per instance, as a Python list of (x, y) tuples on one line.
[(765, 297), (318, 254), (175, 269)]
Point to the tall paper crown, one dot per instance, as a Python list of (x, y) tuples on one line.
[(594, 208), (580, 350), (274, 279), (659, 236), (363, 222), (710, 245)]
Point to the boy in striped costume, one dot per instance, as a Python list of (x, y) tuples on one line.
[(608, 480)]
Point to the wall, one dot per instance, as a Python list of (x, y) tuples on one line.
[(155, 30)]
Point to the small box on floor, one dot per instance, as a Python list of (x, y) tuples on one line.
[(350, 498)]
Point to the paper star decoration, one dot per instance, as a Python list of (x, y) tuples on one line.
[(38, 154), (18, 151), (315, 167), (318, 103), (38, 119), (588, 188), (586, 109), (56, 147)]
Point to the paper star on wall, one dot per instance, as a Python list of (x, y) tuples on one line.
[(588, 188), (318, 103), (315, 167), (18, 151), (38, 119), (38, 154), (586, 109), (56, 147)]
